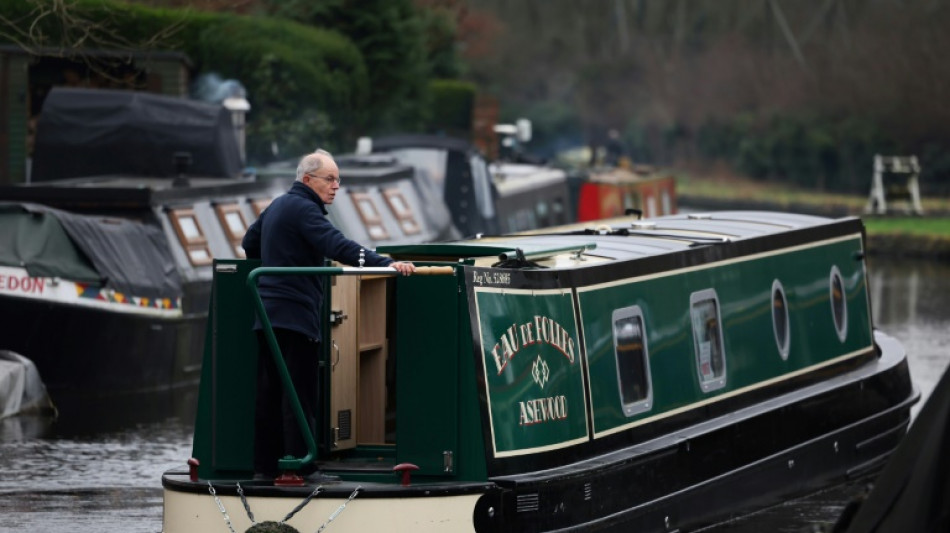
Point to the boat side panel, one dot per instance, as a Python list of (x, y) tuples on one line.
[(504, 305), (224, 428), (427, 399), (752, 356)]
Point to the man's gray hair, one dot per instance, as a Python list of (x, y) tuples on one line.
[(312, 162)]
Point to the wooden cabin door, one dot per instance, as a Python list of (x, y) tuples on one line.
[(344, 361)]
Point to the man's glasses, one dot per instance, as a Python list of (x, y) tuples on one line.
[(329, 179)]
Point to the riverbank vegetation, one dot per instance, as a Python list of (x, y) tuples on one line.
[(896, 234), (803, 92), (316, 73)]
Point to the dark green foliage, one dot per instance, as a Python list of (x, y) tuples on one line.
[(402, 48), (92, 24), (451, 109), (343, 69), (816, 152), (440, 48), (303, 83), (280, 127)]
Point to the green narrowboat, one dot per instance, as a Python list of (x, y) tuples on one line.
[(637, 375)]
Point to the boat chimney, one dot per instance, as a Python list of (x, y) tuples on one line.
[(364, 145), (238, 106)]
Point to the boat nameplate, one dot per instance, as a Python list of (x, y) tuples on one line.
[(533, 372)]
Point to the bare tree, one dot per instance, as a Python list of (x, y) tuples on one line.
[(58, 28)]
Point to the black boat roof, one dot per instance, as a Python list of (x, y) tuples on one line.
[(366, 168), (396, 142), (89, 132), (130, 191), (641, 238)]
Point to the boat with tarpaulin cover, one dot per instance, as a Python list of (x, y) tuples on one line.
[(106, 256)]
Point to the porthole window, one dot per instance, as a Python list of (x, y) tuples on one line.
[(707, 339), (780, 322), (839, 304), (633, 361)]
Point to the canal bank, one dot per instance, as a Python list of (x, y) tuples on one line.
[(897, 235)]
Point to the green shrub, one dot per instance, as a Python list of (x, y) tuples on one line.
[(811, 151), (307, 87), (451, 106)]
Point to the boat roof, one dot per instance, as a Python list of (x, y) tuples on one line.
[(396, 142), (618, 239), (90, 132), (130, 191), (360, 168), (511, 178)]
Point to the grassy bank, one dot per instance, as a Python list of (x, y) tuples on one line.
[(926, 236)]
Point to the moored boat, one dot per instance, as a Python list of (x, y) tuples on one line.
[(613, 191), (639, 375), (106, 258), (484, 197)]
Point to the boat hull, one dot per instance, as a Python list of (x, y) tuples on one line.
[(416, 513), (825, 434), (103, 350)]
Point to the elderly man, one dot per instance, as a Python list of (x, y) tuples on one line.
[(294, 231)]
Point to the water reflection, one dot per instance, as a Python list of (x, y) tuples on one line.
[(95, 467), (909, 303)]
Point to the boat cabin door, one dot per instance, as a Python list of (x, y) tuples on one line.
[(343, 369), (359, 350)]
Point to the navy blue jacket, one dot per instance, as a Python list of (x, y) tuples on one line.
[(294, 231)]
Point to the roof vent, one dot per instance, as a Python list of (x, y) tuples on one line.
[(643, 225)]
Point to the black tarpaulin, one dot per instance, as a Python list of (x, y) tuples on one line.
[(126, 256), (96, 132)]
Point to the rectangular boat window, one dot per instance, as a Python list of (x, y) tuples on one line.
[(232, 220), (707, 339), (402, 210), (191, 236), (633, 361), (370, 216)]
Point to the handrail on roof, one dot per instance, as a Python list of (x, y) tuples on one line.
[(546, 252)]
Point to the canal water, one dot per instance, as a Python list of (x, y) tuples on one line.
[(97, 467)]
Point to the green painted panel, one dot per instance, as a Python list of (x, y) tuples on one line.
[(427, 367), (744, 291), (534, 376), (224, 428)]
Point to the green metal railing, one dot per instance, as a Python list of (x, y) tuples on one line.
[(292, 463)]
